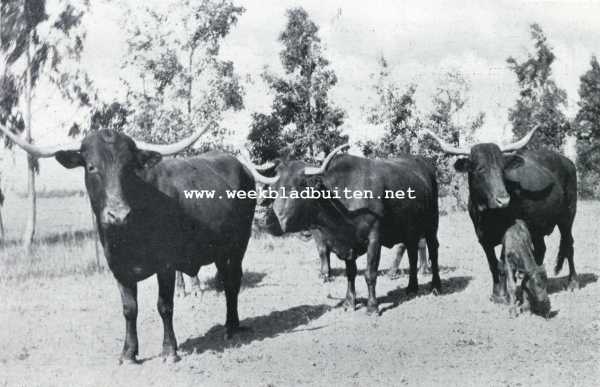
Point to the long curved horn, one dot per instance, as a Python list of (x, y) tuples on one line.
[(521, 143), (171, 149), (323, 167), (447, 148), (257, 176), (38, 151)]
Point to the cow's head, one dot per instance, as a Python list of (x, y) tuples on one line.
[(534, 286), (110, 160), (292, 176), (486, 164)]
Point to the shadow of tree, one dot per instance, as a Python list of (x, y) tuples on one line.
[(261, 327), (558, 284)]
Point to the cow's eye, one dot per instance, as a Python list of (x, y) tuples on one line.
[(91, 168)]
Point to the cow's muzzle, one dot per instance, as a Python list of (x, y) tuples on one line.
[(115, 215)]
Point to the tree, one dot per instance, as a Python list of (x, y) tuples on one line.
[(180, 82), (36, 45), (395, 110), (540, 99), (586, 128), (450, 122), (309, 122)]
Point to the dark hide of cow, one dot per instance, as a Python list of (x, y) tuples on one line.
[(518, 263), (147, 226), (542, 187), (355, 226)]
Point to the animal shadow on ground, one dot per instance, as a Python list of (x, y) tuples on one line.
[(341, 272), (250, 279), (397, 296), (54, 238), (559, 284), (261, 327)]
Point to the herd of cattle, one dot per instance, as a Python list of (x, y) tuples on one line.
[(146, 226)]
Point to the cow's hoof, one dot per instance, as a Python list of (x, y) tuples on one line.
[(171, 358), (412, 289), (349, 305), (436, 290), (393, 274), (325, 278), (180, 293), (513, 312), (196, 291), (573, 284), (128, 361), (498, 299), (372, 310)]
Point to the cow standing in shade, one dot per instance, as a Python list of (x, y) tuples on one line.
[(355, 226), (508, 182), (517, 262), (146, 225)]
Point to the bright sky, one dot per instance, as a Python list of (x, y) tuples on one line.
[(421, 40)]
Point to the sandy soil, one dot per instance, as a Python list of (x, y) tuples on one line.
[(69, 330)]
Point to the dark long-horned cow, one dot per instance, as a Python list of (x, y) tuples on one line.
[(146, 224), (355, 226), (509, 182)]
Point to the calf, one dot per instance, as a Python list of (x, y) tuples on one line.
[(517, 262)]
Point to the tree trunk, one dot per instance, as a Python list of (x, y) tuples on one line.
[(29, 232)]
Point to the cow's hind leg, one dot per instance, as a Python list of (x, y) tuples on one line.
[(413, 283), (433, 247), (498, 288), (130, 311), (539, 249), (373, 257), (423, 264), (566, 251), (324, 256), (196, 288), (350, 302), (180, 285), (231, 273), (394, 270), (166, 288)]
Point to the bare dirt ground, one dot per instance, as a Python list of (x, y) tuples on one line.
[(68, 330)]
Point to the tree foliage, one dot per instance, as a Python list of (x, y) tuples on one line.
[(309, 123), (179, 83), (450, 121), (540, 99), (394, 109)]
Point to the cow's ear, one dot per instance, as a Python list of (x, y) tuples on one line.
[(148, 159), (513, 162), (528, 174), (462, 165), (70, 159)]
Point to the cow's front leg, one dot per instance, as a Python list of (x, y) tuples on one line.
[(498, 288), (130, 311), (511, 289), (196, 288), (166, 288), (350, 302), (373, 255)]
